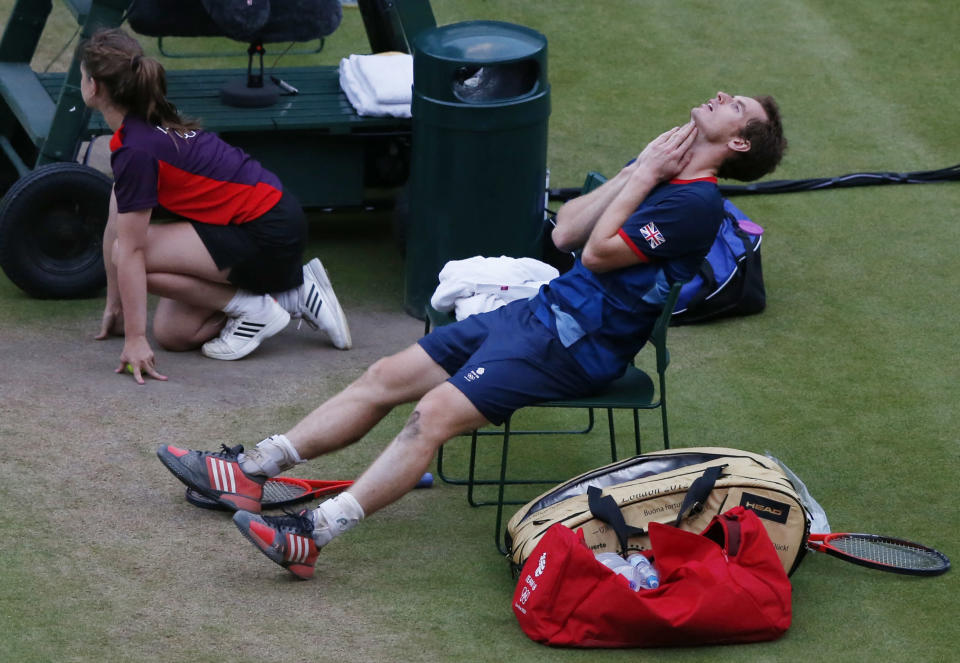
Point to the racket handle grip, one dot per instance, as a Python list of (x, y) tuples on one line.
[(426, 481)]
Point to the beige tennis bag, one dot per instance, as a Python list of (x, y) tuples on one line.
[(682, 487)]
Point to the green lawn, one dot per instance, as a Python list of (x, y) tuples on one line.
[(850, 376)]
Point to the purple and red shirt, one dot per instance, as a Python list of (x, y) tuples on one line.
[(195, 175)]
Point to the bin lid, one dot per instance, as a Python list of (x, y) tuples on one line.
[(481, 42), (501, 59)]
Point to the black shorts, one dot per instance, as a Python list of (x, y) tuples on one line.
[(265, 254)]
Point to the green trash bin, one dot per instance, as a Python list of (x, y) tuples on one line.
[(481, 101)]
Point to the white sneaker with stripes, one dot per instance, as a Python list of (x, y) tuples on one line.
[(244, 334), (319, 307)]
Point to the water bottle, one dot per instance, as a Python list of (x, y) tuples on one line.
[(618, 565), (612, 561), (639, 573), (644, 574)]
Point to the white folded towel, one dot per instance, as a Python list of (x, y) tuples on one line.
[(391, 75), (378, 84)]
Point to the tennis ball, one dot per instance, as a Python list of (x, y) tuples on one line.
[(425, 481), (129, 368)]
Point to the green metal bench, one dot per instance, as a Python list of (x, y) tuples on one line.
[(328, 168)]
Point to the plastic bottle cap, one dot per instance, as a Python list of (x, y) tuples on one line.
[(750, 227)]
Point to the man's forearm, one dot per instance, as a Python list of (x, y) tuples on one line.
[(605, 249), (577, 218)]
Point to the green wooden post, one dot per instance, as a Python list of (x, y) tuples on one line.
[(22, 34), (71, 115)]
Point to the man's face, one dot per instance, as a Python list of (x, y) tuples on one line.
[(723, 118)]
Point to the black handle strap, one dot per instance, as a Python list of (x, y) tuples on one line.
[(606, 509), (698, 493)]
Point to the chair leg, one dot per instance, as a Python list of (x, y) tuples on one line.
[(440, 473), (501, 487), (663, 420), (471, 470), (636, 430), (613, 438), (663, 411), (458, 481)]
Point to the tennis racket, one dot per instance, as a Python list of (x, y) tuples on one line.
[(278, 492), (883, 553)]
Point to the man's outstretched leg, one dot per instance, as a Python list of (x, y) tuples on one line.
[(294, 542), (235, 479)]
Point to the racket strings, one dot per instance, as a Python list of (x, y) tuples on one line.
[(888, 552), (278, 492)]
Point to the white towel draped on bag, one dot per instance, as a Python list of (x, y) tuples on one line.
[(477, 285)]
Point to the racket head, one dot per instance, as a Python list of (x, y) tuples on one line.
[(884, 553), (202, 501), (277, 492)]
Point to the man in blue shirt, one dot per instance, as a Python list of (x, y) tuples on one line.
[(646, 228)]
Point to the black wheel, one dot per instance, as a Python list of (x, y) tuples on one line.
[(8, 175), (51, 231)]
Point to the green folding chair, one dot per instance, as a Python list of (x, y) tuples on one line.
[(634, 391)]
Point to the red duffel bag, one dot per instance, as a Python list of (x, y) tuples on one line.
[(724, 585)]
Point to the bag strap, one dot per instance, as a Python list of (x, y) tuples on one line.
[(698, 493), (606, 509), (708, 285), (726, 531)]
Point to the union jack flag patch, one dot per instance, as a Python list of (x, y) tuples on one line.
[(653, 235)]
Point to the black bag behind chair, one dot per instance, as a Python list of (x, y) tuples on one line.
[(730, 280)]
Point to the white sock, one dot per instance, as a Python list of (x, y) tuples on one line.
[(270, 457), (246, 303), (334, 517), (289, 299)]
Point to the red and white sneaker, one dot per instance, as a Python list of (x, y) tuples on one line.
[(215, 474), (287, 540)]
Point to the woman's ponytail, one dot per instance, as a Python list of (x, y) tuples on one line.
[(134, 81)]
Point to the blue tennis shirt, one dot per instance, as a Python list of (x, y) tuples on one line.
[(604, 319)]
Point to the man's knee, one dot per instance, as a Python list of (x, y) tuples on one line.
[(441, 414), (382, 381), (400, 378)]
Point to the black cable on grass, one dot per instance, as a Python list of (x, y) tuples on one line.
[(851, 180), (950, 173)]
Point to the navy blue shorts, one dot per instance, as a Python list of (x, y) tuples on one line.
[(506, 359)]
